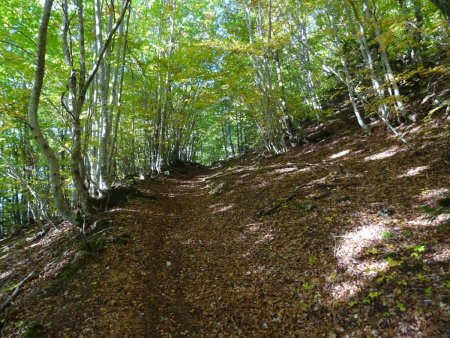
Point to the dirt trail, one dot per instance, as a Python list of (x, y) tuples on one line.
[(353, 253), (136, 286), (157, 230), (182, 201)]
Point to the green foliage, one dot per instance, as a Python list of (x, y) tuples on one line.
[(33, 331), (386, 235), (373, 251), (407, 233), (402, 307), (200, 84), (308, 286)]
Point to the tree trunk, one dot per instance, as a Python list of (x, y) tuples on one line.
[(283, 103), (103, 81), (367, 56), (33, 120), (348, 80), (389, 74)]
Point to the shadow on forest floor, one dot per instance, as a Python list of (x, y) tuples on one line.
[(352, 241)]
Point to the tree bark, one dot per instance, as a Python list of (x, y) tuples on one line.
[(348, 80), (389, 74), (103, 81), (33, 120)]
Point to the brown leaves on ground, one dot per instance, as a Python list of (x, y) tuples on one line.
[(361, 249)]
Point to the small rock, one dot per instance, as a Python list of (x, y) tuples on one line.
[(229, 283), (310, 207), (385, 212), (340, 329), (332, 335), (343, 199), (168, 264)]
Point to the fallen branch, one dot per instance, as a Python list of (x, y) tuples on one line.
[(16, 292), (273, 209)]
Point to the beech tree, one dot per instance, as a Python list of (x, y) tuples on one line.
[(121, 91), (78, 87)]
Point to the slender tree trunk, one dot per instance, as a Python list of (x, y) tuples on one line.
[(283, 103), (414, 52), (417, 30), (367, 57), (103, 78), (348, 80), (123, 38), (303, 55), (33, 120), (389, 74)]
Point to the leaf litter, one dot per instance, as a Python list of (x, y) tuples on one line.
[(335, 239)]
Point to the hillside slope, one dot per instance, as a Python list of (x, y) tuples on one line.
[(344, 237)]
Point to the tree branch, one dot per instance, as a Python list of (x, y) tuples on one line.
[(103, 50), (16, 292)]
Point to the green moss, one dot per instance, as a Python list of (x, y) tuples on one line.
[(94, 245), (34, 331), (75, 264)]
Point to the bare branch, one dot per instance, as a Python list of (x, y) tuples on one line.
[(103, 50)]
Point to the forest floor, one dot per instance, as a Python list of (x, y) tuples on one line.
[(345, 237)]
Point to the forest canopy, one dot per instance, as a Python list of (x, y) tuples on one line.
[(99, 91)]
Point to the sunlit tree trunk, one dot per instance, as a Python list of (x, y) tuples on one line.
[(119, 78), (33, 120), (103, 83), (413, 30), (389, 74), (370, 63), (303, 55), (348, 79)]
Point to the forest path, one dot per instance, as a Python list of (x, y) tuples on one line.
[(137, 285), (181, 206), (329, 240)]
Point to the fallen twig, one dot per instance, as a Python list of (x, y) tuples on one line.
[(273, 209), (17, 290)]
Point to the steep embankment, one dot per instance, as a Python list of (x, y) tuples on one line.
[(343, 237)]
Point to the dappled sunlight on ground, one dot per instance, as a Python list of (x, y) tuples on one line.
[(432, 195), (262, 185), (340, 291), (52, 268), (384, 154), (123, 210), (441, 218), (441, 254), (47, 240), (340, 154), (347, 249), (353, 243), (253, 227), (413, 130), (414, 171), (218, 208), (419, 221), (285, 170), (4, 274), (265, 237)]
